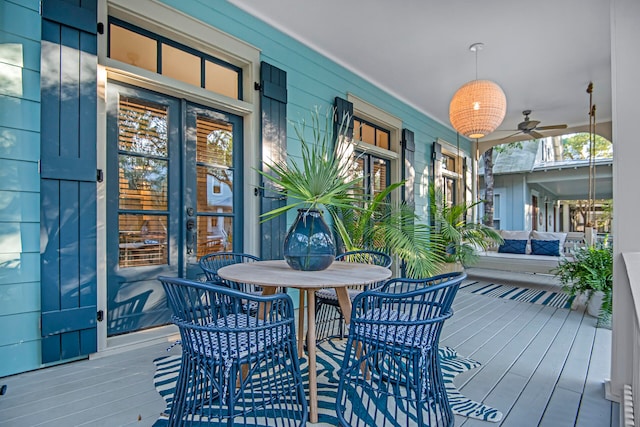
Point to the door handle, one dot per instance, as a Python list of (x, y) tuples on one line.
[(191, 225)]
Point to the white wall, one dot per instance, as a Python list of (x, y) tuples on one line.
[(625, 60)]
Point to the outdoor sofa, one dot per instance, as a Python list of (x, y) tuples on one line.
[(530, 251)]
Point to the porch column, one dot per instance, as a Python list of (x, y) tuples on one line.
[(625, 63)]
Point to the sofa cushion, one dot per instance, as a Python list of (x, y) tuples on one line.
[(513, 246), (517, 235), (545, 247), (547, 235)]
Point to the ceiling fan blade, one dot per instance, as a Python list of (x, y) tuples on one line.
[(551, 127), (536, 135), (509, 136)]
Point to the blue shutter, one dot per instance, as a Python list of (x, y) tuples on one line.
[(436, 164), (68, 179), (344, 110), (408, 170), (408, 175), (273, 105)]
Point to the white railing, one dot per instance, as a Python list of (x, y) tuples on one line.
[(630, 405)]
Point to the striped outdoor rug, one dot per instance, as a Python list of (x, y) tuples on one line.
[(557, 299), (329, 359)]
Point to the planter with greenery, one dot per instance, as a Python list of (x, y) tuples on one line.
[(458, 240), (590, 271), (325, 177)]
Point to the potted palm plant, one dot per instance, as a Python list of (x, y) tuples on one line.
[(325, 178), (321, 178), (393, 228), (459, 240)]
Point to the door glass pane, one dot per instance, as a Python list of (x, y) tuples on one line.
[(214, 180), (143, 183), (214, 142), (143, 168), (142, 127), (143, 240), (215, 189), (215, 234)]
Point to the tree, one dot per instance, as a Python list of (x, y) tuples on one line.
[(576, 147), (487, 219)]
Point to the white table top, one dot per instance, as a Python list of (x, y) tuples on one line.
[(278, 273)]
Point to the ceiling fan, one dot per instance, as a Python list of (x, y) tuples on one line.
[(530, 127)]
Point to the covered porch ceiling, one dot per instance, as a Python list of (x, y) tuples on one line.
[(543, 54), (572, 182)]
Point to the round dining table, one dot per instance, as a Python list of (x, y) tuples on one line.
[(271, 275)]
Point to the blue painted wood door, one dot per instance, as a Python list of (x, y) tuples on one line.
[(174, 192)]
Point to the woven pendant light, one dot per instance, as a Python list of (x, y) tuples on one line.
[(478, 107)]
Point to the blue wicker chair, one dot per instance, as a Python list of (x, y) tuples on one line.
[(329, 319), (212, 262), (391, 369), (238, 367)]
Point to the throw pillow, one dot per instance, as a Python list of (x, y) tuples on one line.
[(513, 246), (548, 235), (545, 247)]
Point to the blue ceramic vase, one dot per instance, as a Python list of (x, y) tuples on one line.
[(309, 245)]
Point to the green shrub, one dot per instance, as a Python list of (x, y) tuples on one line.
[(589, 272)]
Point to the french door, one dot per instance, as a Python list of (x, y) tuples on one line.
[(174, 192)]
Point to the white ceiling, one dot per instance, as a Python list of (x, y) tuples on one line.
[(542, 53)]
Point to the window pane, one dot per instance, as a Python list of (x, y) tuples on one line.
[(132, 48), (215, 234), (215, 189), (356, 130), (449, 163), (142, 127), (380, 168), (221, 79), (496, 206), (143, 183), (382, 138), (368, 134), (143, 240), (449, 190), (181, 65)]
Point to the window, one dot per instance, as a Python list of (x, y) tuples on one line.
[(377, 171), (375, 167), (140, 48), (377, 136), (370, 133), (451, 170), (496, 211)]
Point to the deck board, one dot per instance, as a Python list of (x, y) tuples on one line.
[(540, 366)]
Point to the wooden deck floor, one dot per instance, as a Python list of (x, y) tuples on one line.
[(541, 366)]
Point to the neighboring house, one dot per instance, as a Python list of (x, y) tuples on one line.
[(535, 189), (129, 149)]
